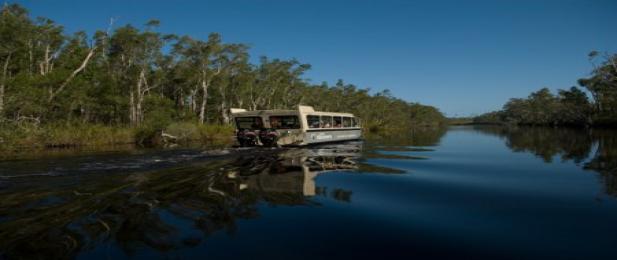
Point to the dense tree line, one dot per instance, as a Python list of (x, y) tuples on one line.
[(568, 107), (134, 76)]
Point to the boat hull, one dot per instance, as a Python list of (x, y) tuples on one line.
[(331, 135)]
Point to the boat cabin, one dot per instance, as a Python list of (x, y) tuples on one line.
[(294, 127)]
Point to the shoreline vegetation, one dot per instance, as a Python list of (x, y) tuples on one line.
[(571, 107), (129, 85), (92, 135)]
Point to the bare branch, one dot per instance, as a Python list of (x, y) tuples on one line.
[(68, 80), (145, 82), (111, 25)]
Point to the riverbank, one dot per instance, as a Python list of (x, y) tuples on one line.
[(25, 141), (19, 137)]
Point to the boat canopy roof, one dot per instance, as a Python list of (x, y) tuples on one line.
[(306, 110)]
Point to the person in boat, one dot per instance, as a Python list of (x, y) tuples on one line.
[(315, 124), (275, 122), (327, 123), (337, 122)]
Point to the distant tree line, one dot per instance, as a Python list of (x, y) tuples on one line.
[(128, 76), (570, 107)]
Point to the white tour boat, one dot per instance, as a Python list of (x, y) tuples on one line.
[(303, 126)]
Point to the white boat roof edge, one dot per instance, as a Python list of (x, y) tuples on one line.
[(301, 109)]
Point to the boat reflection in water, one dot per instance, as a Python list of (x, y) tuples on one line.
[(81, 212), (295, 170)]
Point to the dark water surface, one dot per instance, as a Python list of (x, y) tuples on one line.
[(464, 192)]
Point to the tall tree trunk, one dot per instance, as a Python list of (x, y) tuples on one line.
[(143, 89), (137, 98), (180, 101), (140, 98), (224, 114), (253, 100), (44, 65), (31, 57), (204, 101), (193, 105), (132, 108), (5, 69)]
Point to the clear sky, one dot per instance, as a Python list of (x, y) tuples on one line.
[(465, 57)]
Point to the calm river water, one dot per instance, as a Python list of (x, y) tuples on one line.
[(462, 192)]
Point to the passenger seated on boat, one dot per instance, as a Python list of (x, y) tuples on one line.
[(338, 122), (327, 121), (313, 121), (274, 122)]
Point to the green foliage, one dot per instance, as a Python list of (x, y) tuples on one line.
[(184, 131), (147, 135), (85, 134), (193, 131), (159, 111), (378, 112), (495, 117), (29, 134), (603, 88), (569, 107), (215, 134), (123, 78)]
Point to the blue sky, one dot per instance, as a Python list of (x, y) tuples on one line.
[(465, 57)]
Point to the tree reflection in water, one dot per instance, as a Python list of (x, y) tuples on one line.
[(593, 149), (604, 159), (420, 136), (60, 216)]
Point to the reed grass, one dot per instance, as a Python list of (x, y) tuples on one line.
[(14, 136)]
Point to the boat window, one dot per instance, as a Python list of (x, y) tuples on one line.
[(338, 122), (355, 122), (250, 122), (284, 122), (326, 122), (346, 121), (313, 121)]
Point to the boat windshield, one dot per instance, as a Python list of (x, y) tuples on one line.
[(249, 122)]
